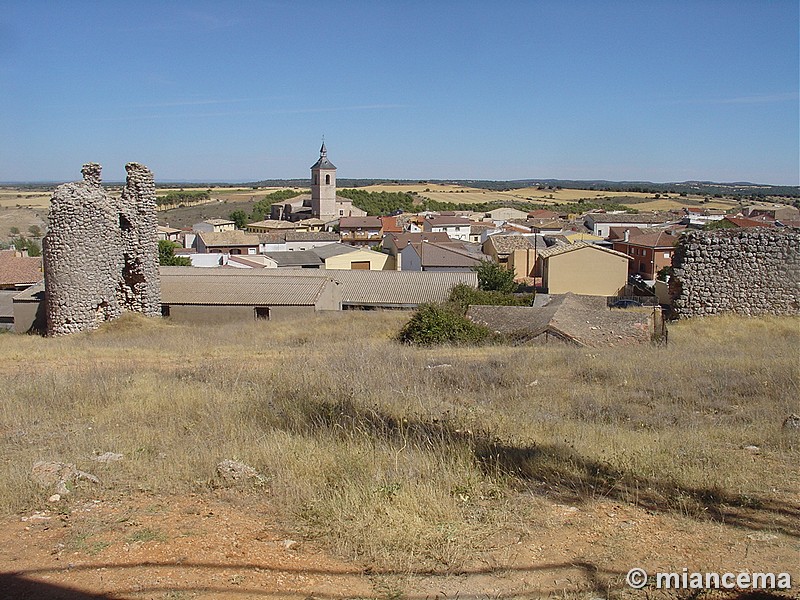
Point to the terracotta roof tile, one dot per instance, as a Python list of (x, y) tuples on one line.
[(18, 270)]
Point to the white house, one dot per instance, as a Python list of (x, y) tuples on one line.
[(457, 228)]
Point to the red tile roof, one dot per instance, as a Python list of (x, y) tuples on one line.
[(17, 270), (745, 222)]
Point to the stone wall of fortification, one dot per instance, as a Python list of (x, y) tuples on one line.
[(101, 253), (754, 271), (138, 224)]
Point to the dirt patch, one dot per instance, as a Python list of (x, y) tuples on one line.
[(228, 545)]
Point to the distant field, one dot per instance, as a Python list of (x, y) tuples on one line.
[(668, 204), (13, 198), (458, 194)]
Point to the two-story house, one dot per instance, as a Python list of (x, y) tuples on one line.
[(457, 228)]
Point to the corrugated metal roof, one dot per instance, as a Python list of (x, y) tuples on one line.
[(359, 288), (330, 250), (201, 286), (295, 258)]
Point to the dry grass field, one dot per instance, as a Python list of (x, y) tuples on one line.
[(453, 469), (457, 193), (16, 198)]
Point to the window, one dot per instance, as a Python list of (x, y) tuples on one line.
[(327, 179), (165, 310), (666, 254), (261, 312), (359, 265)]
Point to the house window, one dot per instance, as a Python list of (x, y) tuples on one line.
[(235, 251), (359, 265), (327, 179), (165, 310), (666, 254), (262, 312)]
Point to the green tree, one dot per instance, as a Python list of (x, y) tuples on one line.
[(240, 218), (166, 255), (35, 231), (721, 224), (493, 277), (32, 246)]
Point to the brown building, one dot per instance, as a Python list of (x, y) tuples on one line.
[(650, 251), (203, 296), (361, 231)]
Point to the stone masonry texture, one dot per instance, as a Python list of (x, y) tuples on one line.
[(101, 253), (753, 271)]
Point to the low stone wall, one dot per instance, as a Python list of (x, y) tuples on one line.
[(754, 271)]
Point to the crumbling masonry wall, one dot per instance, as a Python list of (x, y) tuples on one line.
[(101, 253), (753, 271)]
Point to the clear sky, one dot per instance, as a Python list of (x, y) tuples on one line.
[(403, 89)]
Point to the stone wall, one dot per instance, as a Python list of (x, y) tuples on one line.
[(101, 253), (753, 271)]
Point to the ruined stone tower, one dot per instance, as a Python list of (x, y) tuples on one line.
[(101, 254)]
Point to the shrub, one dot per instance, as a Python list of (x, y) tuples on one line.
[(464, 295), (166, 255), (433, 324), (493, 277)]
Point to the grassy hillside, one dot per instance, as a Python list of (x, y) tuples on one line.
[(414, 458)]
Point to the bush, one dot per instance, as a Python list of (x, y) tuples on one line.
[(464, 295), (433, 324), (166, 255), (493, 277)]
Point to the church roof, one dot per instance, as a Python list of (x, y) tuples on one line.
[(323, 162)]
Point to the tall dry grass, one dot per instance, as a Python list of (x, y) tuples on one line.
[(408, 457)]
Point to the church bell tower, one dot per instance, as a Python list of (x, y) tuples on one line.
[(323, 187)]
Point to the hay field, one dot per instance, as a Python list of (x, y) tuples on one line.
[(673, 203), (415, 458), (17, 198), (470, 195)]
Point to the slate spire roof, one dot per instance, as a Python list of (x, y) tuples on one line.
[(323, 162)]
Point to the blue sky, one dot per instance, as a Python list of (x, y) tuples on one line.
[(241, 91)]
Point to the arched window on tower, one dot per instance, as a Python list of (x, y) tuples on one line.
[(316, 178), (327, 179)]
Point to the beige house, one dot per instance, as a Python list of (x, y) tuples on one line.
[(214, 226), (342, 256), (582, 268)]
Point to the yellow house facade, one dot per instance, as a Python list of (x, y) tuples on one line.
[(582, 268), (363, 259)]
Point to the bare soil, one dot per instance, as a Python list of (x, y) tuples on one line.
[(228, 545)]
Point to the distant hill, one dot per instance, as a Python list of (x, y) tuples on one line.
[(739, 189), (702, 188)]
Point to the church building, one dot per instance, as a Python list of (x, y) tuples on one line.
[(323, 203)]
